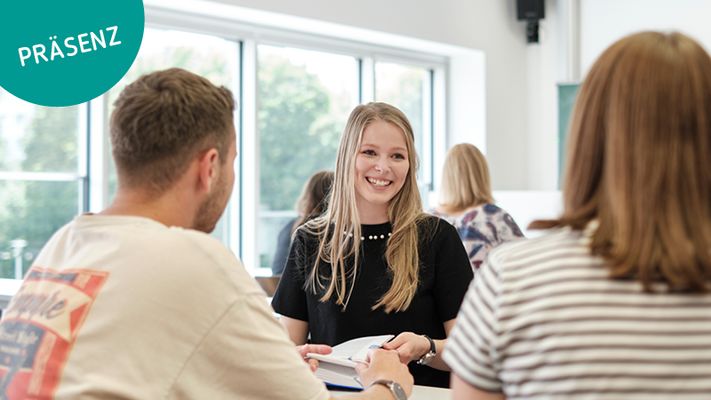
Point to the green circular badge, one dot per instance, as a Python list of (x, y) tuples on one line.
[(62, 53)]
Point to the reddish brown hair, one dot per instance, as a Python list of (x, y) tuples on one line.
[(638, 161)]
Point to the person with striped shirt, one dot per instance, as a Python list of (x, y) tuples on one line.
[(614, 301)]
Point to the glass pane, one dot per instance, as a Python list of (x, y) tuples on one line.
[(407, 88), (35, 138), (209, 56), (32, 211), (304, 101)]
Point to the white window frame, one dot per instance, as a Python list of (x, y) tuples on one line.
[(80, 178), (460, 106)]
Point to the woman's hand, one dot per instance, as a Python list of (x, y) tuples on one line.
[(412, 347), (313, 348), (409, 346)]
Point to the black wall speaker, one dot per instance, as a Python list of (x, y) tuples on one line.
[(530, 9)]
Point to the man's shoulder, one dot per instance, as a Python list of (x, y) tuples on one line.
[(217, 256), (145, 242), (200, 240), (146, 233)]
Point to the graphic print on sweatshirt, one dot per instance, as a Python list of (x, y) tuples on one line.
[(38, 329)]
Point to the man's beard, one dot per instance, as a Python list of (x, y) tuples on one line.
[(212, 207)]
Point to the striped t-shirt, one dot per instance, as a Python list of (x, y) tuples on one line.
[(543, 320)]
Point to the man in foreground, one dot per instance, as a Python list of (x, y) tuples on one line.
[(138, 302)]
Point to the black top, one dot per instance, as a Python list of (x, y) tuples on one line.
[(445, 274), (282, 248)]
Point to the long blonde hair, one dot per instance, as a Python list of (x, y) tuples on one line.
[(638, 161), (465, 178), (341, 218)]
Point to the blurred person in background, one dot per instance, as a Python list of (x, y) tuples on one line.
[(466, 203), (312, 202)]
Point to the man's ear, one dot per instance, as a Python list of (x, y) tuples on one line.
[(208, 169)]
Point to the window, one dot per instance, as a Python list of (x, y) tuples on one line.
[(410, 89), (305, 98), (295, 92), (209, 56), (42, 177)]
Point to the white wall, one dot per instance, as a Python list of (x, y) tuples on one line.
[(530, 205), (488, 25), (605, 21), (542, 107)]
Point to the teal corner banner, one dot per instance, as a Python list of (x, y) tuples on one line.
[(63, 53)]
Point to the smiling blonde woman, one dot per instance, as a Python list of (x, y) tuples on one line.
[(375, 263)]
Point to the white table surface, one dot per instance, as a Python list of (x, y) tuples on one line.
[(418, 393)]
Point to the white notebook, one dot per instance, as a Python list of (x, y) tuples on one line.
[(338, 368)]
